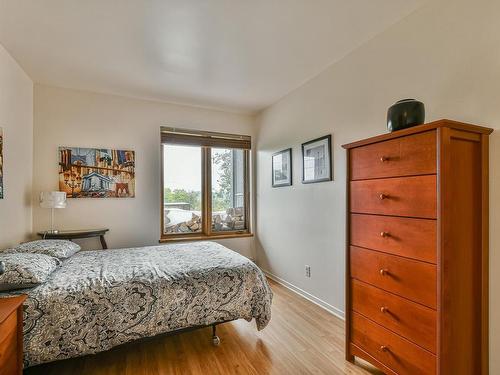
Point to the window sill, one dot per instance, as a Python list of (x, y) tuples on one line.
[(177, 238)]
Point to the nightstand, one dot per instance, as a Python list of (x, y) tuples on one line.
[(76, 234), (11, 335)]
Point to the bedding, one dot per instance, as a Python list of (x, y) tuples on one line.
[(100, 299), (25, 270), (61, 249)]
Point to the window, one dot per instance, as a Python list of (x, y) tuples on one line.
[(205, 185), (182, 188)]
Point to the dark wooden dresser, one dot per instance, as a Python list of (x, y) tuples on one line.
[(417, 250), (11, 335)]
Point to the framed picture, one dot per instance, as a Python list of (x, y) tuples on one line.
[(1, 163), (96, 172), (282, 168), (317, 160)]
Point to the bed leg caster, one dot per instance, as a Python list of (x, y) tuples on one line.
[(215, 338)]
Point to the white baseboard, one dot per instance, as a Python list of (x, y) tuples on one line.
[(324, 305)]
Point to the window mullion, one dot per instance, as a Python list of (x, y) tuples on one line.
[(207, 191), (246, 188)]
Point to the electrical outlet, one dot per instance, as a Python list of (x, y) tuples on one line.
[(308, 271)]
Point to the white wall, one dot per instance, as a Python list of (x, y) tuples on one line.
[(74, 118), (446, 54), (16, 119)]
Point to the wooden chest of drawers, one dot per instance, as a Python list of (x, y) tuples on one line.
[(11, 335), (417, 250)]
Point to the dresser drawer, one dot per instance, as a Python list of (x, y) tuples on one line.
[(415, 322), (406, 156), (407, 278), (408, 237), (10, 366), (395, 352), (11, 338), (7, 326), (8, 346), (402, 196)]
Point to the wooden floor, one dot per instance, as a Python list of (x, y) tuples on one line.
[(301, 338)]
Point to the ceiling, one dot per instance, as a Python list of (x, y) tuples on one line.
[(240, 55)]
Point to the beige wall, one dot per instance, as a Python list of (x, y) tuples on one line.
[(74, 118), (16, 119), (446, 54)]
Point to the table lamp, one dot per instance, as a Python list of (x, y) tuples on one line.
[(52, 199)]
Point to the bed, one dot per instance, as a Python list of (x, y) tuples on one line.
[(99, 299)]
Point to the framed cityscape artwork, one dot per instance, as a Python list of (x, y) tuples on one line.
[(96, 172), (1, 163)]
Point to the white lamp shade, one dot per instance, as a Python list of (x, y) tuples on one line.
[(53, 199)]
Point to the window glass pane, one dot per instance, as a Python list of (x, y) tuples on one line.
[(228, 195), (182, 189)]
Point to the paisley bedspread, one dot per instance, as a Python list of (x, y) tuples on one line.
[(100, 299)]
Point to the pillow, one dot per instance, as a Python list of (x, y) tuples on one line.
[(61, 249), (24, 270)]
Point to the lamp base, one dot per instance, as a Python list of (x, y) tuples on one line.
[(52, 231)]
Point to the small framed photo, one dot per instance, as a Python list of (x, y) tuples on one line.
[(317, 160), (282, 168)]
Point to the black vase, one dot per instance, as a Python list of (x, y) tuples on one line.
[(2, 268), (405, 114)]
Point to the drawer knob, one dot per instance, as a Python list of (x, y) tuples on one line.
[(384, 310), (383, 196), (384, 348), (383, 159), (384, 272), (384, 234)]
